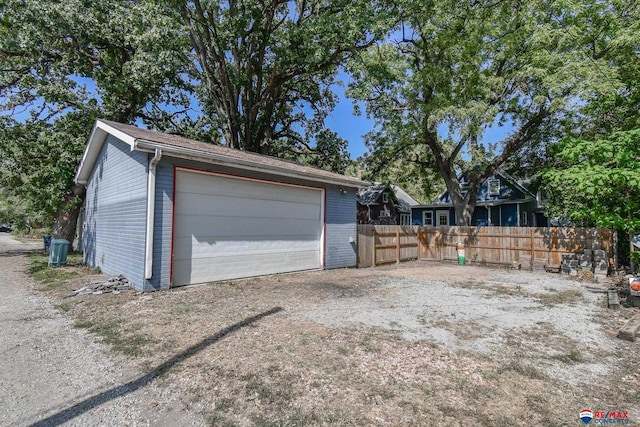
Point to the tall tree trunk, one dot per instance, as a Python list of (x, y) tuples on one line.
[(464, 214), (64, 226)]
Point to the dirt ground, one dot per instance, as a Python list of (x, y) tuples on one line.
[(411, 344)]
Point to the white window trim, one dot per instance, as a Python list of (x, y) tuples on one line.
[(491, 190), (405, 219), (385, 198), (424, 218), (440, 214)]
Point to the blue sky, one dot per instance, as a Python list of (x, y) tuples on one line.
[(349, 126)]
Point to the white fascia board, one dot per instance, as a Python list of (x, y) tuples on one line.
[(189, 154), (94, 146)]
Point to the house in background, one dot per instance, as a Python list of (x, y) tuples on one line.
[(502, 202), (384, 204), (167, 211)]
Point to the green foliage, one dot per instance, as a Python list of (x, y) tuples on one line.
[(64, 65), (263, 70), (38, 165), (597, 181), (454, 69)]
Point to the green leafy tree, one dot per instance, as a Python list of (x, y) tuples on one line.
[(454, 69), (597, 181), (263, 69), (65, 64)]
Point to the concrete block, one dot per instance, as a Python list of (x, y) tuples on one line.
[(614, 301), (600, 254), (631, 329)]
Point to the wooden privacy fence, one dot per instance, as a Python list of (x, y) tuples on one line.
[(527, 246)]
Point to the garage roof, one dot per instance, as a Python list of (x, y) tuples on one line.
[(176, 146)]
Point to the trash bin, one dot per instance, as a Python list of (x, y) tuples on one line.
[(47, 242), (58, 252), (461, 258)]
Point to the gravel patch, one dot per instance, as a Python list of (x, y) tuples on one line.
[(53, 373), (480, 315)]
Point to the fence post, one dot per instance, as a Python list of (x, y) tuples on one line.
[(533, 246), (398, 245), (418, 236), (373, 246)]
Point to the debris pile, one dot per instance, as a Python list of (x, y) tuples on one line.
[(114, 285), (595, 261)]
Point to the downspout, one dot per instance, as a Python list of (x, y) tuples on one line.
[(151, 204)]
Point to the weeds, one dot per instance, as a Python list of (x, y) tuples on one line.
[(523, 369), (110, 332), (571, 357), (554, 297), (52, 277)]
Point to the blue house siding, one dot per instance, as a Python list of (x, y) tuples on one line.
[(115, 212), (340, 218), (162, 228)]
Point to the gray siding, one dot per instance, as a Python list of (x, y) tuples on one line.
[(163, 228), (340, 220), (115, 212)]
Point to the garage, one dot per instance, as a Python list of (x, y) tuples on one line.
[(227, 227), (163, 211)]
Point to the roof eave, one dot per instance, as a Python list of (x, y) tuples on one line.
[(102, 129), (220, 159), (94, 146)]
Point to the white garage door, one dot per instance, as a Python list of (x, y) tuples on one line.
[(227, 227)]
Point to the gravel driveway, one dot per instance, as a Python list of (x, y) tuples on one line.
[(54, 374), (411, 344)]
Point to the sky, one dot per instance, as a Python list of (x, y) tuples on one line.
[(348, 126)]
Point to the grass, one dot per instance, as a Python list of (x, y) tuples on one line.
[(524, 369), (53, 277), (555, 297), (111, 334), (571, 357)]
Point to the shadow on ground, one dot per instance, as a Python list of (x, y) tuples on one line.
[(115, 392)]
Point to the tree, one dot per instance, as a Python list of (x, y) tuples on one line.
[(597, 181), (65, 64), (454, 69), (263, 69)]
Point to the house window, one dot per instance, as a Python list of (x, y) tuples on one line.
[(443, 217), (427, 218), (494, 187), (385, 214), (405, 219), (385, 198)]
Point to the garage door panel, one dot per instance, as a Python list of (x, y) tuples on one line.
[(187, 248), (202, 227), (201, 270), (227, 227), (201, 184), (221, 206)]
